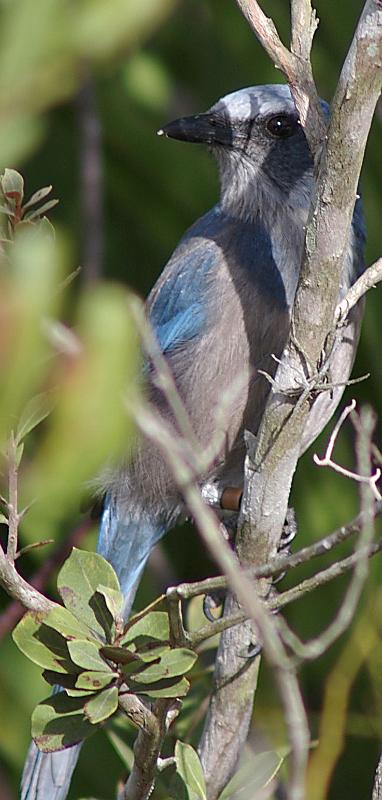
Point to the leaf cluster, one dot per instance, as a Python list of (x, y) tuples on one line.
[(91, 657)]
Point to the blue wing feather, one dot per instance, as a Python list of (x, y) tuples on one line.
[(179, 303)]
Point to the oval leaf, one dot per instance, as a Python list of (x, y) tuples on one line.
[(94, 681), (42, 644), (58, 722), (256, 771), (155, 625), (36, 410), (38, 196), (171, 664), (86, 654), (66, 623), (190, 769), (102, 706), (113, 599), (120, 655), (169, 688), (12, 183), (77, 584)]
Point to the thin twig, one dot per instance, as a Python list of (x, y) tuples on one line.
[(295, 64), (38, 581), (327, 460), (345, 614), (368, 280), (12, 504), (278, 601)]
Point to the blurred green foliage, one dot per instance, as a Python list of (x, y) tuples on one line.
[(148, 62)]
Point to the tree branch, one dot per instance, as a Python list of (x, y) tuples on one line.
[(366, 281), (20, 589), (377, 788), (294, 63), (272, 461)]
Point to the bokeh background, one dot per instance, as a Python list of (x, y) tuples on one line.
[(83, 89)]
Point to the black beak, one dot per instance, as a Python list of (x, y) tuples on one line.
[(206, 128)]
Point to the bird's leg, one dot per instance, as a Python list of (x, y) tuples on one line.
[(226, 500), (288, 534)]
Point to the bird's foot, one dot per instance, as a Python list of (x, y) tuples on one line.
[(288, 535), (213, 605)]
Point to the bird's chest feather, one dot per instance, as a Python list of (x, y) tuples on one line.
[(247, 319)]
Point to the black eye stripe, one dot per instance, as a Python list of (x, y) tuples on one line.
[(281, 126)]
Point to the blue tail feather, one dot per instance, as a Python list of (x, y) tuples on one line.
[(126, 542)]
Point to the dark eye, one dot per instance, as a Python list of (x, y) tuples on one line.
[(281, 126)]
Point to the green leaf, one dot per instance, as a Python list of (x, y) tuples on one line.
[(256, 771), (120, 655), (63, 679), (3, 519), (35, 411), (86, 654), (165, 688), (190, 769), (102, 706), (77, 584), (152, 653), (113, 599), (66, 623), (59, 722), (38, 212), (42, 644), (13, 183), (155, 625), (38, 196), (122, 748), (172, 663), (94, 681)]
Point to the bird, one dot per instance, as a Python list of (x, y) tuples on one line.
[(220, 312)]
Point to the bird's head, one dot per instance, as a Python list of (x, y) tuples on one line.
[(259, 143)]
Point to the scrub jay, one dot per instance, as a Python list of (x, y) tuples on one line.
[(220, 310)]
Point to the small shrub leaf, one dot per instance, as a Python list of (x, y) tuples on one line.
[(120, 655), (189, 768), (102, 706), (165, 688), (155, 625), (77, 584), (35, 412), (86, 654), (171, 664), (38, 196), (58, 722), (94, 681), (43, 645)]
